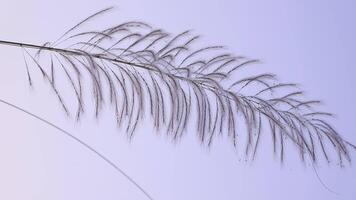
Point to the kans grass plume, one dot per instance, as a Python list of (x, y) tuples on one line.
[(140, 69)]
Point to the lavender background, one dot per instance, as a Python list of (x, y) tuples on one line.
[(309, 42)]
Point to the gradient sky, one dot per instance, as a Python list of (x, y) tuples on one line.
[(308, 42)]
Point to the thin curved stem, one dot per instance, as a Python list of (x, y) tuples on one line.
[(87, 146)]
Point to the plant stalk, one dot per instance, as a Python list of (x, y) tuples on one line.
[(66, 51)]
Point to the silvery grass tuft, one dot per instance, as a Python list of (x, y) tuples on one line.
[(147, 70), (140, 69)]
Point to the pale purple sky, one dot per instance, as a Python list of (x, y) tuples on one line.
[(308, 42)]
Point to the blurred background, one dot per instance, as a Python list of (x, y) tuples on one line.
[(307, 42)]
